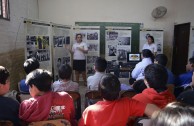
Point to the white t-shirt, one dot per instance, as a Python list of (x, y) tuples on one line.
[(79, 55), (152, 47)]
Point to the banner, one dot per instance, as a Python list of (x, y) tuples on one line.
[(118, 43), (38, 43), (158, 38), (61, 44)]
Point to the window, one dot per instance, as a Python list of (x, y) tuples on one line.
[(4, 9)]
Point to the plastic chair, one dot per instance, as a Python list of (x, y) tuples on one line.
[(56, 122), (91, 97), (142, 121), (77, 102)]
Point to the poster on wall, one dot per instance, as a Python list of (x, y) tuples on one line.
[(61, 46), (118, 43), (38, 43), (191, 44), (158, 38), (90, 35)]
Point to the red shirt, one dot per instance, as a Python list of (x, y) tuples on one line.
[(51, 105), (111, 113), (151, 96)]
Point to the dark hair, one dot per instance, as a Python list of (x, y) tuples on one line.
[(4, 74), (148, 54), (139, 86), (156, 76), (109, 87), (65, 71), (162, 59), (40, 78), (78, 34), (100, 64), (152, 38), (30, 65), (191, 60), (174, 114)]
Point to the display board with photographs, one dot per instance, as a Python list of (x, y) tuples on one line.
[(118, 43), (158, 38), (61, 46), (38, 43), (90, 35)]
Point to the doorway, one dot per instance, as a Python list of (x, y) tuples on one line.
[(180, 48)]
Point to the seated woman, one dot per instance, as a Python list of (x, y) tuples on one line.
[(174, 114), (65, 83), (45, 104), (156, 92)]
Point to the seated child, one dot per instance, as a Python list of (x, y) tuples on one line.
[(156, 92), (113, 111), (65, 83), (29, 65), (9, 108), (174, 114), (45, 104)]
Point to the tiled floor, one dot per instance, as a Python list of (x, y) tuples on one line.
[(82, 91)]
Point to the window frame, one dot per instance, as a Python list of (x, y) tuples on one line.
[(7, 7)]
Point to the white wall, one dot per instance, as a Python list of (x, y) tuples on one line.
[(12, 32), (132, 11)]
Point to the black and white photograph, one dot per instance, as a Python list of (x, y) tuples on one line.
[(91, 59), (123, 40), (67, 41), (66, 60), (112, 50), (58, 41), (92, 36), (92, 47), (90, 70), (122, 55), (112, 35)]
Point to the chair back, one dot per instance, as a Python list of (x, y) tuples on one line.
[(56, 122), (91, 97), (6, 123), (77, 102), (142, 121), (127, 93)]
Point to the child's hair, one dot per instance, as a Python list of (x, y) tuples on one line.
[(30, 65), (65, 71), (146, 53), (139, 86), (161, 59), (109, 87), (174, 114), (152, 38), (100, 64), (156, 76), (4, 74), (40, 78)]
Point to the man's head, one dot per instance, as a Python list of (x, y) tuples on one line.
[(190, 64), (150, 39), (100, 64), (4, 80), (156, 77), (30, 65), (78, 37), (65, 72), (109, 87), (161, 59), (39, 81)]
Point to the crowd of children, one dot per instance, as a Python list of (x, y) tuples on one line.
[(50, 101)]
